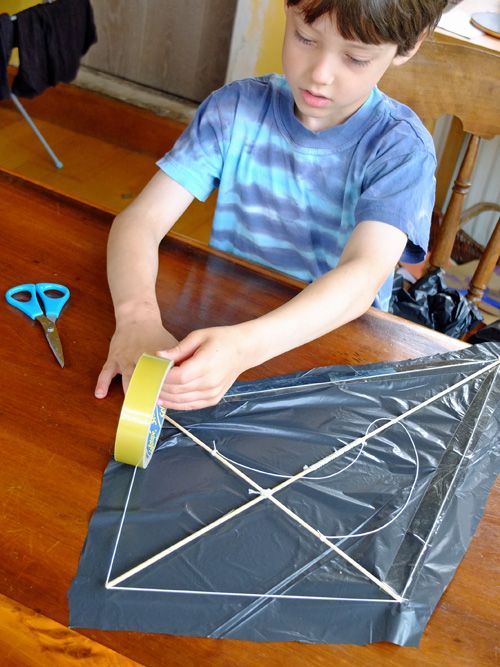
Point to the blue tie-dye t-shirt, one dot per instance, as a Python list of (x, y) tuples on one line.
[(289, 197)]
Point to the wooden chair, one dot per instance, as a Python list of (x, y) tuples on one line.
[(445, 79)]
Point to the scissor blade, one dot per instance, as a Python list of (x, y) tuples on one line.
[(52, 336)]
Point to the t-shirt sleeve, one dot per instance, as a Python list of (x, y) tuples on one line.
[(197, 158), (400, 190)]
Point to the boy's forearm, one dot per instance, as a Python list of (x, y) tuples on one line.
[(133, 244), (132, 269), (336, 298)]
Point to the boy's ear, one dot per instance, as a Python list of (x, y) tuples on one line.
[(400, 60)]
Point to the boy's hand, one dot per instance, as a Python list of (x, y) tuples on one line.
[(207, 362), (125, 348)]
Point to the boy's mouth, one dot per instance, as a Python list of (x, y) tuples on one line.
[(313, 100)]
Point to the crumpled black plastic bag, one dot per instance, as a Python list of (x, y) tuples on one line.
[(430, 302), (489, 333)]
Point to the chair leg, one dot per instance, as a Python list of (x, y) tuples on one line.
[(486, 266), (40, 136), (448, 161), (441, 253)]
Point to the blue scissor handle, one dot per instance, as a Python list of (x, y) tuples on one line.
[(52, 304), (31, 308)]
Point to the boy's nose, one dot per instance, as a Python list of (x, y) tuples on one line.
[(323, 72)]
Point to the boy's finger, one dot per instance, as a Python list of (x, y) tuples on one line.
[(108, 372), (103, 382), (183, 378), (189, 401), (183, 350), (125, 382)]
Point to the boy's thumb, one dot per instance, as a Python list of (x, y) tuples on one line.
[(172, 353), (184, 349)]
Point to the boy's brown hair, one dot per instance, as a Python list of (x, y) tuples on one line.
[(399, 22)]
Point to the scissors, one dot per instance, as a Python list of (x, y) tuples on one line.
[(39, 301)]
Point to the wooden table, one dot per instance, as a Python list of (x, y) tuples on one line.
[(56, 440)]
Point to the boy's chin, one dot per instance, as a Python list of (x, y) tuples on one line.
[(314, 119)]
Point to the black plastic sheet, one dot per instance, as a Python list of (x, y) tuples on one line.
[(429, 301), (403, 503), (487, 334)]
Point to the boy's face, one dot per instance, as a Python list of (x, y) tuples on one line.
[(330, 77)]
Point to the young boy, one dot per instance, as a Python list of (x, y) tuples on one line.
[(320, 176)]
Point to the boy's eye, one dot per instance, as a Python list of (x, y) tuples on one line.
[(303, 39), (357, 62)]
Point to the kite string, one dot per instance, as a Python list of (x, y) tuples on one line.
[(285, 596), (353, 533), (406, 503), (220, 593), (121, 525), (268, 494), (282, 476), (356, 378), (445, 499)]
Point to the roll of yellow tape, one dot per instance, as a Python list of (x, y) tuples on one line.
[(141, 418)]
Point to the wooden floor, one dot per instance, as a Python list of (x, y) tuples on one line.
[(98, 170)]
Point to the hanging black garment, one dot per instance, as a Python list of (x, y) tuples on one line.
[(52, 37), (6, 44)]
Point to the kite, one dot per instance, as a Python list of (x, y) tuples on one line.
[(329, 506)]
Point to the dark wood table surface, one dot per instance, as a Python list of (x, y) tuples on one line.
[(56, 440)]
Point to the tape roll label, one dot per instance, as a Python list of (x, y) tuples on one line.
[(155, 430)]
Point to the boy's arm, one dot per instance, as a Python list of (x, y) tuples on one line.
[(132, 268), (209, 360)]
